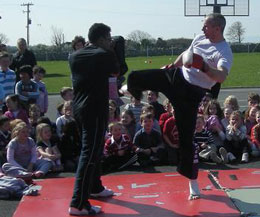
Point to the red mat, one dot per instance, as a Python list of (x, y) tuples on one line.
[(159, 194), (239, 179)]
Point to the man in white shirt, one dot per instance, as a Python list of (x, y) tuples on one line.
[(185, 82)]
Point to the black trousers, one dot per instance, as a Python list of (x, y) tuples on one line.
[(185, 99), (92, 127)]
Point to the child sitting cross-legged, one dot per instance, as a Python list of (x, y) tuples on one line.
[(22, 156), (203, 137), (46, 149), (148, 141), (255, 137), (118, 149), (236, 145)]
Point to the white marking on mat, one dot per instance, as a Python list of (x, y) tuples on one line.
[(134, 185), (172, 175), (120, 187), (159, 203), (146, 196)]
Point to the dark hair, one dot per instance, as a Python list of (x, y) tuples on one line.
[(38, 69), (148, 109), (217, 19), (64, 90), (14, 98), (131, 114), (219, 110), (249, 109), (26, 69), (146, 116), (44, 120), (3, 120), (76, 40), (253, 96), (98, 30)]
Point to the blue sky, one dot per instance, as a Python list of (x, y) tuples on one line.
[(159, 18)]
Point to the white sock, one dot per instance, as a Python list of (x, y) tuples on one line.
[(194, 187)]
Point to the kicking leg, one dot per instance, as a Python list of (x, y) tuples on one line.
[(151, 79)]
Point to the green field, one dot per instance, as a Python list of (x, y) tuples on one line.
[(244, 73)]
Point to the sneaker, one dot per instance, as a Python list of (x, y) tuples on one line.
[(223, 154), (104, 193), (245, 157), (231, 157), (215, 158), (93, 211)]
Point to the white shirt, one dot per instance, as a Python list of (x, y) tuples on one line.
[(215, 54)]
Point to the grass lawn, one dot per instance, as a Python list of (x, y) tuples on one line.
[(244, 73)]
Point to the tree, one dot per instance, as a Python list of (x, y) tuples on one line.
[(3, 39), (235, 32), (138, 36), (160, 43), (57, 38)]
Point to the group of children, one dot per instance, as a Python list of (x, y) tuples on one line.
[(142, 133), (148, 134), (30, 143)]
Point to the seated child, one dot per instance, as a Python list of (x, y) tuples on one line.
[(15, 110), (27, 89), (225, 121), (34, 114), (114, 114), (136, 107), (5, 137), (204, 102), (250, 119), (253, 99), (128, 122), (236, 145), (42, 101), (46, 149), (66, 94), (22, 156), (150, 148), (118, 149), (203, 137), (213, 116), (149, 109), (231, 102), (255, 137), (61, 121), (152, 98), (165, 116)]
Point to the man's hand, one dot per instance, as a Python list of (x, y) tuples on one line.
[(199, 63)]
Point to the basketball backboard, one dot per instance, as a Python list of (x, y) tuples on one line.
[(225, 7)]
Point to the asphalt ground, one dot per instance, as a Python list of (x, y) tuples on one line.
[(240, 93), (8, 207)]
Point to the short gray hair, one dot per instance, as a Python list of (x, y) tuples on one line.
[(217, 20)]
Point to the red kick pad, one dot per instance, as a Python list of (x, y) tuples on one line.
[(242, 178), (158, 194)]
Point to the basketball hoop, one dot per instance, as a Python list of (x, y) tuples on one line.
[(225, 7)]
